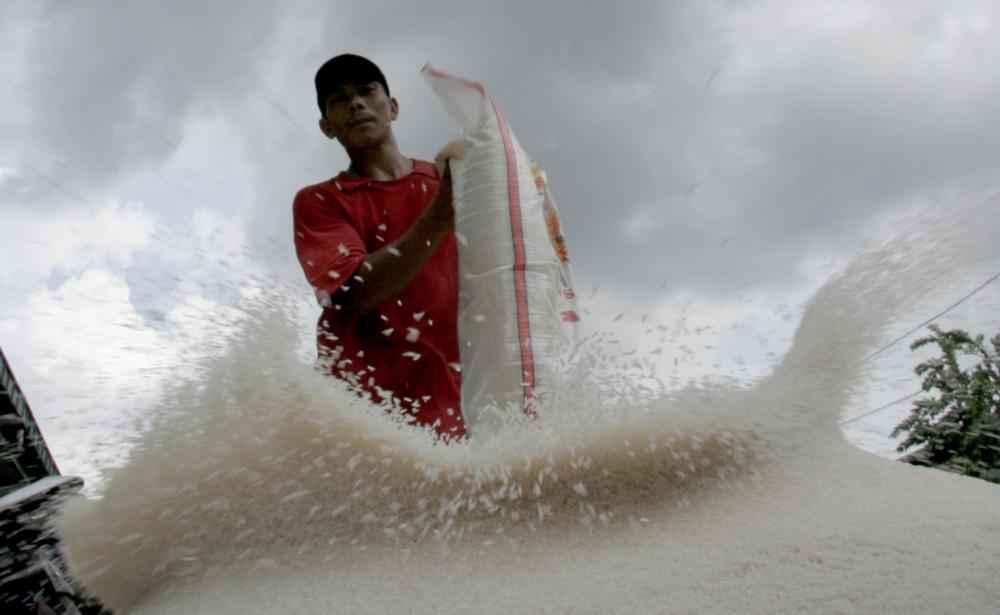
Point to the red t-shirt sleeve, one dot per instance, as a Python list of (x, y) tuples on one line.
[(327, 244)]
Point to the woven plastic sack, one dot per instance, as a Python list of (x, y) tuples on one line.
[(517, 308)]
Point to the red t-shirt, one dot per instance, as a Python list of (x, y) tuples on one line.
[(407, 347)]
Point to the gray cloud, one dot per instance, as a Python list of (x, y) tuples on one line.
[(109, 85), (586, 90), (709, 146), (651, 116)]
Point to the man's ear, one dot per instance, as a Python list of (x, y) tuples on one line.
[(394, 105), (325, 127)]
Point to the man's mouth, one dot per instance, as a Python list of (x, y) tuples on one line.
[(362, 121)]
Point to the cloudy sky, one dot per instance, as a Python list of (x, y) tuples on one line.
[(713, 161)]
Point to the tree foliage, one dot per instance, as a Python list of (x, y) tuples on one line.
[(958, 423)]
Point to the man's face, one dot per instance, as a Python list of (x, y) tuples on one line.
[(359, 115)]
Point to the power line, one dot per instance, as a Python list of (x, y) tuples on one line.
[(954, 305), (989, 281), (880, 408)]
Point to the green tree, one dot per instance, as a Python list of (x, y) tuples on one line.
[(959, 423)]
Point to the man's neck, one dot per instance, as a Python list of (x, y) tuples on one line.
[(384, 163)]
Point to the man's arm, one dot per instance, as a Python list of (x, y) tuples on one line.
[(389, 270)]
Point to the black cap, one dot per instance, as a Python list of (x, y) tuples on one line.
[(345, 68)]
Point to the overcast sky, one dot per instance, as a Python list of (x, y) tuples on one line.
[(725, 155)]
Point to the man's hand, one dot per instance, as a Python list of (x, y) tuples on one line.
[(455, 149), (442, 208)]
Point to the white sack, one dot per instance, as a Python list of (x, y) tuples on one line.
[(517, 318)]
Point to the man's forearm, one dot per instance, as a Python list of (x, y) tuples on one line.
[(387, 272)]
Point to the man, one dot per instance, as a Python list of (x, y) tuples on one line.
[(377, 244)]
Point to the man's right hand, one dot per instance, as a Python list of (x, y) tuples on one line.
[(454, 150), (442, 208)]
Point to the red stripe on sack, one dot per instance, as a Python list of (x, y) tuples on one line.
[(570, 316), (520, 284)]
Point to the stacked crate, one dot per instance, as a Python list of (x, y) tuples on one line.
[(34, 578)]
